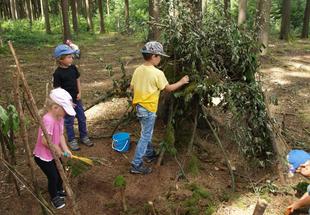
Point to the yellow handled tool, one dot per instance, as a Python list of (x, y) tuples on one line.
[(85, 160)]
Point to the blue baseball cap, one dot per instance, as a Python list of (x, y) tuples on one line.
[(63, 50), (297, 157)]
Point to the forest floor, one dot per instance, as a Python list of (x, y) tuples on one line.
[(285, 74)]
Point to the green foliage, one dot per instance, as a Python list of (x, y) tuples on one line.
[(194, 165), (120, 181), (221, 61), (301, 188), (77, 167)]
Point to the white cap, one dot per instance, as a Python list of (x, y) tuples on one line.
[(64, 99)]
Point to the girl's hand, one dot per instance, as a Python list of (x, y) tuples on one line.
[(67, 154)]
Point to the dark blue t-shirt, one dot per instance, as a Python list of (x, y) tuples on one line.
[(66, 79)]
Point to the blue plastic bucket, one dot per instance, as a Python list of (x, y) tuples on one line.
[(121, 142)]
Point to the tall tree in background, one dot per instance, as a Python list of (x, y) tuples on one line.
[(204, 4), (101, 24), (305, 27), (263, 22), (227, 8), (154, 11), (65, 18), (29, 13), (13, 9), (242, 11), (127, 16), (108, 7), (90, 26), (46, 17), (285, 22), (75, 24)]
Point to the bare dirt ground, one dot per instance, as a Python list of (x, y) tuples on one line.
[(286, 75)]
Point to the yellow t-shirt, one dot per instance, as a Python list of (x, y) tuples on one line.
[(147, 82)]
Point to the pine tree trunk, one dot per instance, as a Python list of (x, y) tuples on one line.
[(108, 7), (242, 12), (102, 29), (305, 27), (263, 22), (42, 9), (90, 26), (285, 23), (127, 16), (74, 15), (65, 18), (12, 7), (46, 17), (29, 13)]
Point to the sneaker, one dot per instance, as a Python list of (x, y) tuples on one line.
[(150, 159), (86, 141), (58, 202), (62, 193), (140, 169), (74, 145)]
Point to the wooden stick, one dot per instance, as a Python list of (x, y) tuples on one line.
[(122, 118), (204, 111), (33, 105), (260, 207)]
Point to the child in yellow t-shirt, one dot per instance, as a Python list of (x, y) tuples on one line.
[(147, 82)]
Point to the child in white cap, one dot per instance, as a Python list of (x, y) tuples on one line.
[(57, 106)]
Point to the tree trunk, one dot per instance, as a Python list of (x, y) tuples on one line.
[(305, 27), (204, 4), (127, 16), (74, 15), (242, 12), (65, 18), (42, 9), (108, 7), (46, 17), (154, 11), (263, 22), (90, 26), (260, 207), (285, 23), (12, 5), (29, 13), (227, 8), (101, 24)]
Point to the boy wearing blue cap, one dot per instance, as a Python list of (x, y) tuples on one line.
[(147, 82), (299, 162), (67, 77)]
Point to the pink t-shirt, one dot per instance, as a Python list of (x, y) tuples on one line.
[(54, 128)]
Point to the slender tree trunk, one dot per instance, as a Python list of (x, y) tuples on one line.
[(46, 17), (12, 7), (154, 11), (102, 29), (263, 22), (29, 13), (305, 27), (42, 9), (74, 15), (227, 8), (285, 23), (242, 12), (90, 25), (65, 18), (127, 16), (108, 7), (204, 4)]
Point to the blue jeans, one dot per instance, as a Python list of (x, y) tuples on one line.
[(144, 146), (69, 122)]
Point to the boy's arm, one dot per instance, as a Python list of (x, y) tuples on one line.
[(303, 201), (78, 81), (177, 85)]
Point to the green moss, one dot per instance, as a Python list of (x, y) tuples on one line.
[(194, 165)]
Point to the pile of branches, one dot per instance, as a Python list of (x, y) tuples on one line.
[(222, 62)]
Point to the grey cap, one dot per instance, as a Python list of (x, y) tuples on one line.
[(154, 47)]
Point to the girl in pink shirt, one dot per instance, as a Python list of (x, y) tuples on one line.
[(57, 106)]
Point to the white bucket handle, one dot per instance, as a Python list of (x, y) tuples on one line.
[(118, 149)]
